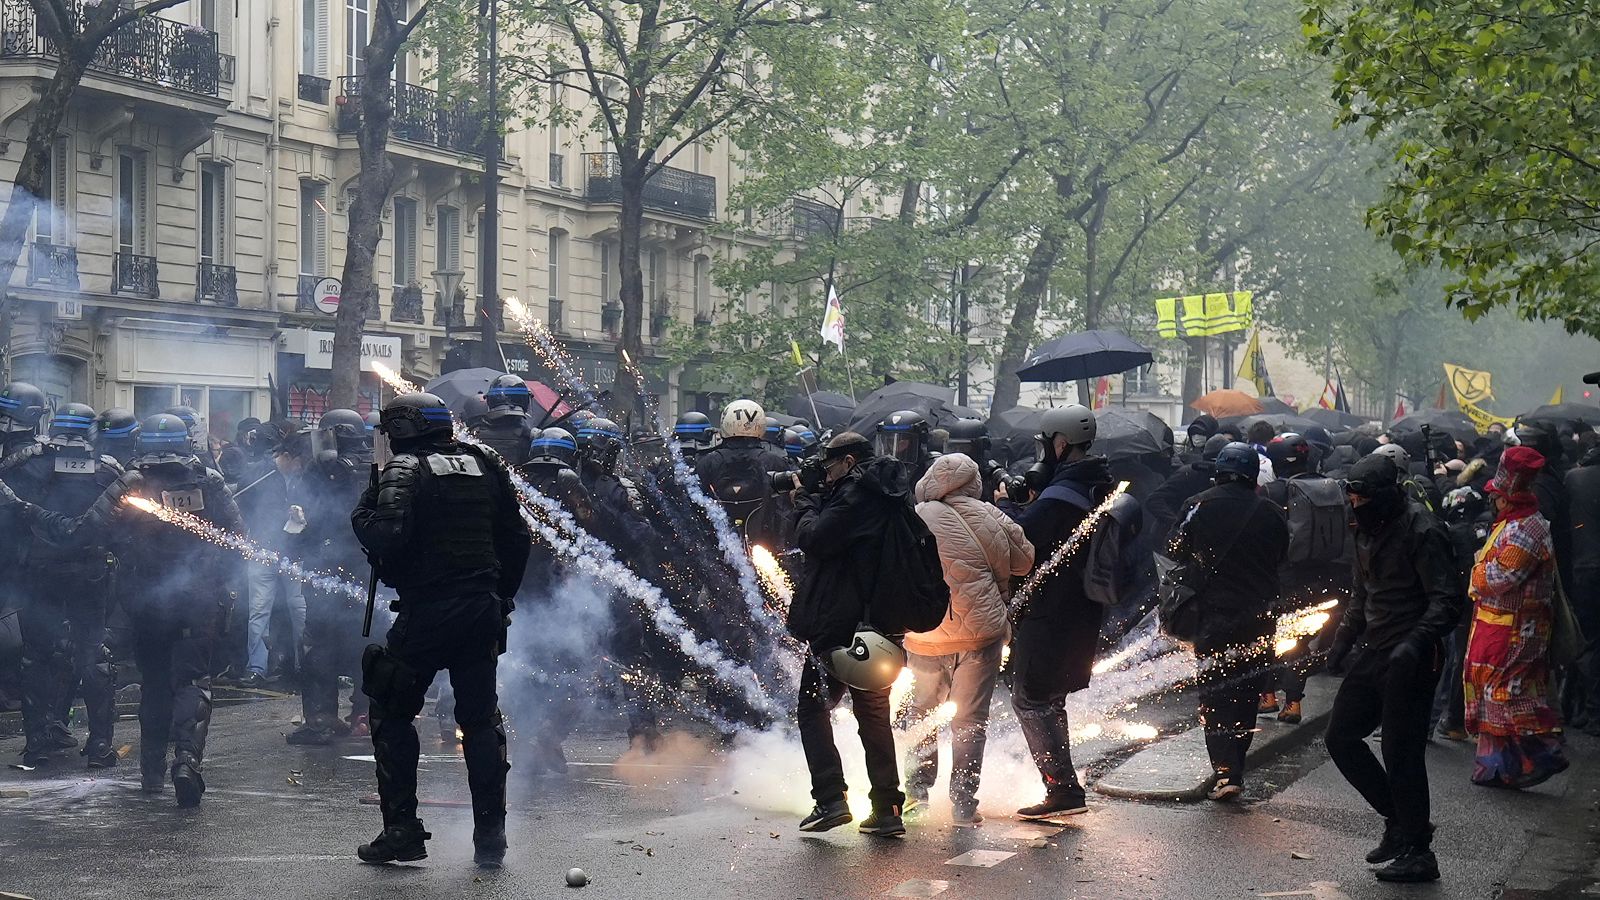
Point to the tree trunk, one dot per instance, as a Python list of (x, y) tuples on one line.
[(630, 290), (1194, 368), (360, 291), (48, 114), (1024, 319)]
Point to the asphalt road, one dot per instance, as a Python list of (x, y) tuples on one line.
[(698, 822)]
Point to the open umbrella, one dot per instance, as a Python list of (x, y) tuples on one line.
[(1564, 412), (1083, 355), (1456, 424), (833, 410), (1228, 402), (1333, 419), (1012, 431), (1121, 433), (455, 388), (1271, 405), (932, 400), (1280, 422)]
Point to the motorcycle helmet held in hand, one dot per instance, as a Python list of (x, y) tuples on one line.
[(1237, 460), (871, 663)]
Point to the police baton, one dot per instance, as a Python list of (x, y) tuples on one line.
[(372, 600)]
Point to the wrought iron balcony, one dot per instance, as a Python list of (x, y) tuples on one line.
[(134, 274), (405, 304), (420, 115), (314, 88), (217, 283), (669, 190), (802, 219), (53, 264), (149, 49)]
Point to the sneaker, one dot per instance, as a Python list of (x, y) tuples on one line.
[(1414, 864), (309, 736), (1055, 806), (827, 816), (1291, 713), (1391, 846), (100, 755), (1226, 790), (58, 737), (884, 823), (397, 843), (255, 681), (35, 755), (188, 784), (965, 818), (1268, 704)]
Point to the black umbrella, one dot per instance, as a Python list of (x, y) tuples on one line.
[(1280, 422), (1333, 419), (911, 389), (831, 410), (1564, 412), (456, 388), (1122, 433), (1271, 405), (938, 413), (1084, 355), (1012, 431), (1457, 425)]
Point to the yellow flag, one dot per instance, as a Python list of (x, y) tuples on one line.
[(1470, 387), (799, 360), (1556, 397), (1253, 368)]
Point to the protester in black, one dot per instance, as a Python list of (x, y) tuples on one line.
[(1405, 598), (1186, 481)]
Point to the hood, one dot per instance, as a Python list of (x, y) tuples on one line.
[(951, 474), (1091, 470), (883, 475)]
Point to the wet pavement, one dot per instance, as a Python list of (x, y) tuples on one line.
[(696, 821)]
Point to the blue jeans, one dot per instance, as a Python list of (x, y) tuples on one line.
[(966, 679), (263, 583)]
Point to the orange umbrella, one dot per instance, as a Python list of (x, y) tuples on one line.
[(1228, 403)]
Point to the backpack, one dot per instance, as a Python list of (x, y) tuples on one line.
[(1109, 561), (910, 593), (1319, 520), (743, 490)]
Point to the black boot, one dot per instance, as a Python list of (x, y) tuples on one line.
[(1392, 844), (100, 755), (397, 843), (1416, 863), (187, 782), (489, 845), (59, 737)]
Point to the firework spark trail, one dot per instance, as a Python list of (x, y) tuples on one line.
[(247, 548), (772, 574), (928, 725), (1079, 535), (550, 521)]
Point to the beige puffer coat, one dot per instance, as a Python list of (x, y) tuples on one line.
[(980, 560)]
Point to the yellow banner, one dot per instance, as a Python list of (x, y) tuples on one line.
[(1481, 418), (1469, 386)]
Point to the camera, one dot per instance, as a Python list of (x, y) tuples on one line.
[(810, 477), (1016, 485)]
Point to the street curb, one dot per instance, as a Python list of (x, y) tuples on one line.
[(1181, 758)]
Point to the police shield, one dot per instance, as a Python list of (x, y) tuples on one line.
[(324, 445)]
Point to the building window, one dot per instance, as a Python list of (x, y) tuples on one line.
[(608, 275), (314, 38), (213, 213), (557, 252), (221, 409), (49, 222), (652, 284), (702, 287), (133, 202), (405, 241), (356, 15), (313, 229), (447, 238), (1140, 381)]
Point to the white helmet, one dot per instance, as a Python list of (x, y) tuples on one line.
[(1076, 423), (871, 663), (744, 418), (1402, 459)]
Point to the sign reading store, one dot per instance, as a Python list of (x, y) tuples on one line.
[(317, 348)]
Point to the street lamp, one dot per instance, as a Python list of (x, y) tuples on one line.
[(447, 282)]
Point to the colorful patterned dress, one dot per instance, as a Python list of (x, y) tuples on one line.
[(1508, 681)]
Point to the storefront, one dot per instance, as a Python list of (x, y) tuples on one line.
[(222, 373), (305, 371)]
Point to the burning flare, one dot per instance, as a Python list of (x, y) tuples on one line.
[(773, 577)]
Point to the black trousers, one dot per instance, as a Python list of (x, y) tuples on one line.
[(173, 642), (63, 623), (1230, 689), (1377, 693), (331, 647), (463, 635), (819, 694)]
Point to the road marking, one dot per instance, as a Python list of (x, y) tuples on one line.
[(982, 859), (919, 887), (1317, 890)]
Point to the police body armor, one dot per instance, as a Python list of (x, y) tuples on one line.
[(452, 536), (66, 480), (333, 489), (507, 436), (155, 548)]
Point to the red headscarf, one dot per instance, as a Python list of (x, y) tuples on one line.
[(1513, 482)]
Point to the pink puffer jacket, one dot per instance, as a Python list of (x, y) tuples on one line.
[(980, 560)]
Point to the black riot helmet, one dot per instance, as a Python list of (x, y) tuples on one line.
[(508, 396), (347, 425), (799, 442), (475, 411), (1290, 454), (21, 407), (1237, 462), (599, 441), (371, 420), (553, 447), (164, 438), (902, 435), (969, 436), (409, 418), (72, 423), (693, 431)]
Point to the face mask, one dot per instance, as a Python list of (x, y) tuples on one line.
[(1381, 509)]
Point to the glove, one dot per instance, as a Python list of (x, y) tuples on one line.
[(1407, 656), (1339, 653)]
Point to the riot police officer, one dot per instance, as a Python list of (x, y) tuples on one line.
[(506, 429), (693, 433), (328, 488), (170, 583), (903, 435), (22, 406), (64, 594), (198, 437), (442, 527), (116, 434)]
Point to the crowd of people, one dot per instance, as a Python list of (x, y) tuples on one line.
[(1437, 563)]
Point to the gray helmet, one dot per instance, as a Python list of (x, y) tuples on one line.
[(553, 446), (871, 663), (1076, 423), (1397, 454)]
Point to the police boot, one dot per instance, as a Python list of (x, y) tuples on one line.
[(58, 737), (398, 843), (153, 769), (99, 754), (187, 782), (489, 842)]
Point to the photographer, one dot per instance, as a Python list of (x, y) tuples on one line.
[(1059, 629), (842, 508)]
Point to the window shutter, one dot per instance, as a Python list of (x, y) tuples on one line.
[(141, 196), (220, 236), (454, 244), (321, 38), (319, 240)]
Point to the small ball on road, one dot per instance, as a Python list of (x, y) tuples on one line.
[(577, 878)]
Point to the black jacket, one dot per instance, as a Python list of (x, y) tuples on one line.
[(734, 473), (1555, 506), (1240, 538), (263, 498), (1583, 510), (1060, 622), (1166, 501), (1406, 584), (841, 533)]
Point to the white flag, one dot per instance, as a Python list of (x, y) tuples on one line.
[(833, 321)]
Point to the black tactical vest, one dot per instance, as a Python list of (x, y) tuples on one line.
[(453, 531)]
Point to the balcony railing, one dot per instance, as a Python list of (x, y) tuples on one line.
[(217, 283), (53, 264), (134, 274), (405, 304), (803, 220), (149, 49), (420, 115), (669, 190)]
